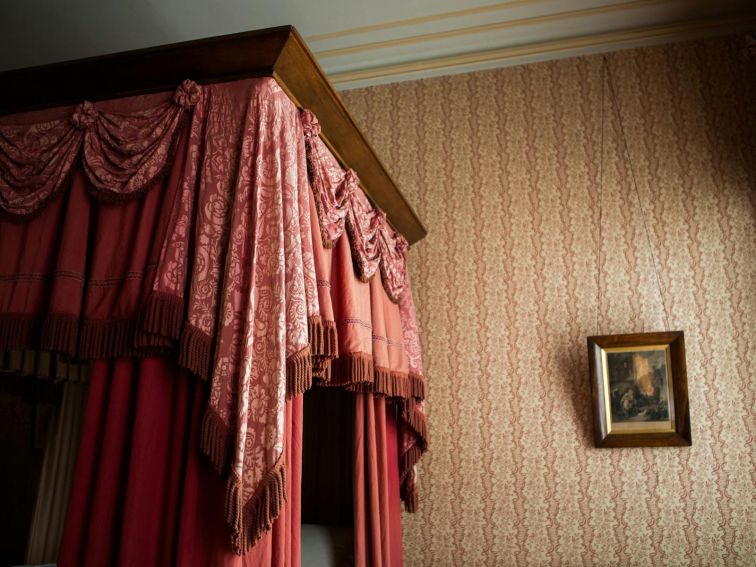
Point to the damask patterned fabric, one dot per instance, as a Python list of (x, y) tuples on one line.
[(261, 333), (413, 428), (122, 154), (79, 287), (218, 260), (341, 205)]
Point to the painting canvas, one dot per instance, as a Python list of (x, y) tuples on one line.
[(639, 391)]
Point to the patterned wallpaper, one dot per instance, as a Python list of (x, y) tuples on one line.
[(504, 168)]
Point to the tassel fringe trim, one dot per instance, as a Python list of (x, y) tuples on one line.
[(106, 339), (18, 331), (407, 460), (413, 417), (321, 370), (409, 496), (417, 421), (357, 373), (393, 384), (416, 386), (155, 331), (324, 345), (408, 489), (59, 333), (249, 521), (160, 320), (215, 440), (195, 353), (299, 372), (323, 338), (351, 369)]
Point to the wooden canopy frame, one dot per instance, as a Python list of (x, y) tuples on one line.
[(278, 52)]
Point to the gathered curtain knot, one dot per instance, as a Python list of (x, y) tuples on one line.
[(351, 181), (310, 124), (187, 94), (400, 244), (84, 116), (379, 218)]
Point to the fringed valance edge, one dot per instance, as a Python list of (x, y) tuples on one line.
[(195, 351), (251, 520), (299, 372)]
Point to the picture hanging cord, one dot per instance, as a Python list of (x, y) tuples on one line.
[(600, 194), (606, 78)]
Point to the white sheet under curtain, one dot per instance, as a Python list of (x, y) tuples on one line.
[(57, 473)]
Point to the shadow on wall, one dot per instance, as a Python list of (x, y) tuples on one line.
[(573, 384), (739, 78), (725, 121), (695, 82)]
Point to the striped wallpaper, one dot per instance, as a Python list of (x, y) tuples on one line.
[(505, 169)]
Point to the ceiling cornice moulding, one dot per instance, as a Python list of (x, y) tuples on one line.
[(408, 22), (471, 30), (528, 52)]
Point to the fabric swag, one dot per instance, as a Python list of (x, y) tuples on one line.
[(214, 225)]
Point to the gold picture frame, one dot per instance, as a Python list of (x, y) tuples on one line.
[(640, 390)]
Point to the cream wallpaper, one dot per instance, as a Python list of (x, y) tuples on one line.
[(504, 168)]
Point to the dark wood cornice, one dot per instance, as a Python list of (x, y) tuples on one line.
[(278, 52)]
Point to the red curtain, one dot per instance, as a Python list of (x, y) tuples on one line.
[(378, 528), (143, 494), (213, 226), (393, 483)]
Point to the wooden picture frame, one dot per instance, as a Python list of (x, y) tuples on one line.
[(640, 390)]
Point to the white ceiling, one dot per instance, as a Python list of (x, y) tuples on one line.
[(361, 42)]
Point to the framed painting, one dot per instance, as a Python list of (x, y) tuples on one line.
[(640, 390)]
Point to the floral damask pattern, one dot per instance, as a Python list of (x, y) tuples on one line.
[(266, 293), (35, 164), (122, 154), (221, 154), (504, 167), (173, 266), (343, 206), (221, 264)]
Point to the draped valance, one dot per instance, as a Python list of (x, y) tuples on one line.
[(214, 225), (121, 154), (342, 205)]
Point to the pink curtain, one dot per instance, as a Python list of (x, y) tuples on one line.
[(143, 494), (378, 342), (378, 529), (211, 225)]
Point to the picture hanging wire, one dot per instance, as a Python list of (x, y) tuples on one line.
[(606, 79)]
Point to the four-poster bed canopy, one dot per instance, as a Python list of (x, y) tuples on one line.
[(208, 213), (279, 52)]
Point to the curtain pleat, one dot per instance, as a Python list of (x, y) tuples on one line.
[(159, 444), (377, 520), (143, 494), (394, 509), (92, 522)]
